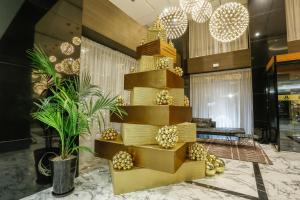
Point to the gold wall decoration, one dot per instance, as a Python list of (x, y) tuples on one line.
[(167, 136), (122, 161)]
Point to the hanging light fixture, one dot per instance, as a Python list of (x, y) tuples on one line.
[(229, 22), (67, 48), (76, 41), (202, 12), (52, 59), (188, 5), (175, 22)]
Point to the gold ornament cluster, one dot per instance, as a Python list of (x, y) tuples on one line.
[(186, 101), (156, 31), (167, 136), (109, 134), (197, 152), (162, 63), (164, 98), (178, 71), (122, 161), (120, 101), (214, 165)]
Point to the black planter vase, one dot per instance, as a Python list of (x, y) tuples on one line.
[(63, 175)]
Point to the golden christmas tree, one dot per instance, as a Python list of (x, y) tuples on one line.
[(157, 132)]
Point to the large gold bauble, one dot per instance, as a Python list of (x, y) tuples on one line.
[(219, 165), (210, 169), (76, 41), (162, 63), (197, 152), (167, 136), (178, 71), (122, 161), (109, 134), (186, 101), (120, 101), (163, 98)]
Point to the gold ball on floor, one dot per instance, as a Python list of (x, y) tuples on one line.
[(109, 134), (210, 169), (197, 152), (122, 161), (167, 136), (219, 165)]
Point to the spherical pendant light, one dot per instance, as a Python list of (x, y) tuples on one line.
[(76, 41), (67, 48), (229, 22), (202, 12), (188, 5), (52, 59), (175, 22)]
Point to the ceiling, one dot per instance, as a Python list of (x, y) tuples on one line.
[(145, 11)]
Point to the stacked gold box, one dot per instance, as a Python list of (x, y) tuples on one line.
[(154, 165)]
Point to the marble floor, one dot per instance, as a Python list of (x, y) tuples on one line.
[(241, 180)]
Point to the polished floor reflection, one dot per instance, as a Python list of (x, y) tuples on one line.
[(241, 180)]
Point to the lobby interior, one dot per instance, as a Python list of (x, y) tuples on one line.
[(149, 99)]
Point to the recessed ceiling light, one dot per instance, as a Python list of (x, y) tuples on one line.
[(257, 34)]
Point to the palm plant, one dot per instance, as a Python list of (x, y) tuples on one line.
[(72, 106)]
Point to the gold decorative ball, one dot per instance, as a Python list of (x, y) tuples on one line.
[(211, 158), (219, 165), (163, 98), (120, 101), (178, 71), (167, 136), (109, 134), (210, 169), (122, 161), (197, 152), (162, 63), (186, 101), (171, 43)]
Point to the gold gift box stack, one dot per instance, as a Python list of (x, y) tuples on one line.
[(153, 165)]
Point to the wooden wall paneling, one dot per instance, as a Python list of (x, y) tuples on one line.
[(226, 61), (108, 20)]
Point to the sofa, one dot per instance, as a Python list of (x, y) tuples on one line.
[(204, 122)]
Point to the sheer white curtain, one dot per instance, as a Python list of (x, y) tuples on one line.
[(107, 68), (201, 43), (226, 97)]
